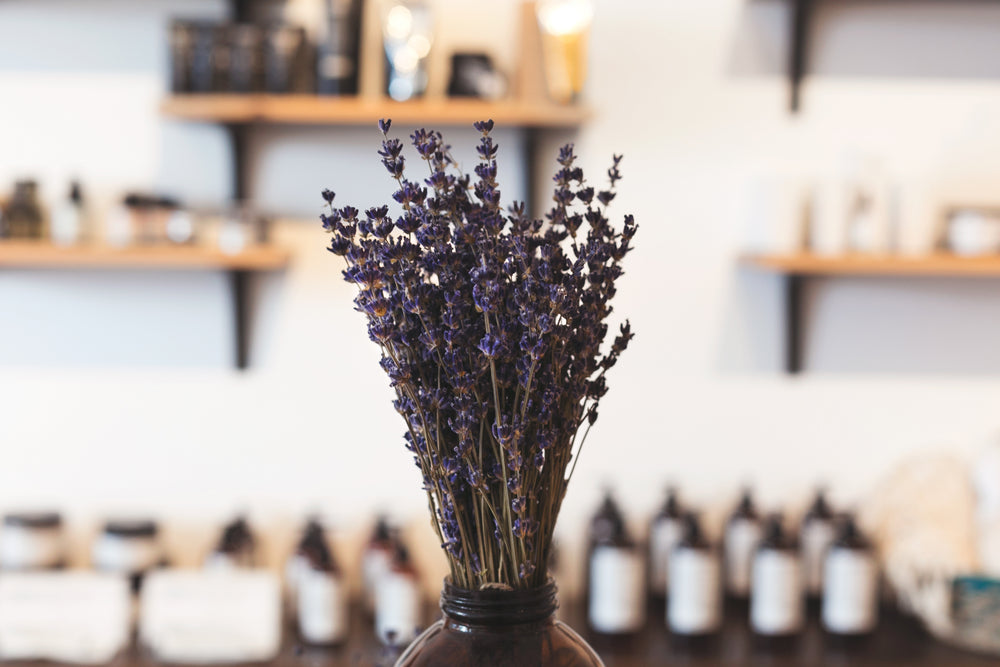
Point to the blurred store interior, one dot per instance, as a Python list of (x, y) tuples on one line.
[(814, 288)]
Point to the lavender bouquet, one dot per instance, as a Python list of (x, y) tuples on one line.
[(491, 327)]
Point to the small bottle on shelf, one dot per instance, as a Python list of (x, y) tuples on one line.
[(376, 560), (694, 607), (617, 603), (321, 600), (602, 528), (236, 548), (298, 562), (398, 601), (740, 539), (850, 586), (777, 607), (665, 532), (69, 218), (816, 535)]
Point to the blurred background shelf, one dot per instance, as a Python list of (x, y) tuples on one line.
[(239, 267), (330, 110), (797, 267), (42, 255), (942, 264)]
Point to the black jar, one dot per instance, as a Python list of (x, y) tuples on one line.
[(499, 628)]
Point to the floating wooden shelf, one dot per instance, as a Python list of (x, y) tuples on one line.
[(239, 267), (941, 264), (317, 110), (797, 268), (28, 254)]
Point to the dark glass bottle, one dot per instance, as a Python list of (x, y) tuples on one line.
[(777, 606), (321, 599), (236, 547), (603, 526), (665, 532), (339, 51), (616, 604), (816, 535), (850, 588), (499, 628), (694, 607), (24, 218), (742, 534), (376, 560)]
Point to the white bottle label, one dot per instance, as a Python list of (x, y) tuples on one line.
[(397, 609), (617, 601), (850, 592), (322, 607), (695, 603), (742, 536), (817, 536), (776, 603), (664, 536)]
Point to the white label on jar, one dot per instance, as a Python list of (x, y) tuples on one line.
[(322, 607), (695, 603), (397, 609), (130, 555), (776, 603), (665, 535), (24, 548), (374, 564), (199, 617), (742, 536), (617, 601), (817, 536), (850, 593), (64, 617)]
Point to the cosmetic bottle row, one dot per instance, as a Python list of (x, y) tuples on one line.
[(317, 593), (210, 57), (760, 564), (137, 218)]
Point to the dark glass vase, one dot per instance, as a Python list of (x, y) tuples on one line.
[(497, 628)]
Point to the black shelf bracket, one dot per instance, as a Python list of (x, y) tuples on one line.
[(802, 14), (239, 286), (794, 342)]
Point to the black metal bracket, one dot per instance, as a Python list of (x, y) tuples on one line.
[(794, 293), (239, 286), (802, 14)]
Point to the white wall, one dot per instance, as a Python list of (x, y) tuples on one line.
[(115, 391)]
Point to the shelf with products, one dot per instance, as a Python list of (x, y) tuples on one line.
[(331, 110), (239, 266), (797, 268)]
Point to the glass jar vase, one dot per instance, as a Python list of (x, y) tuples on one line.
[(499, 628)]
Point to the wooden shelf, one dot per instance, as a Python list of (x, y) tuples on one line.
[(798, 267), (941, 264), (29, 254), (318, 110), (239, 267)]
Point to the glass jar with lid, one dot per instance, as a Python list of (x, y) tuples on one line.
[(32, 541), (128, 546)]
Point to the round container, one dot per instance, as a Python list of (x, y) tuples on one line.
[(127, 546), (499, 628), (31, 541)]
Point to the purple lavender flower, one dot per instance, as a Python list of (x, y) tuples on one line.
[(492, 327)]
